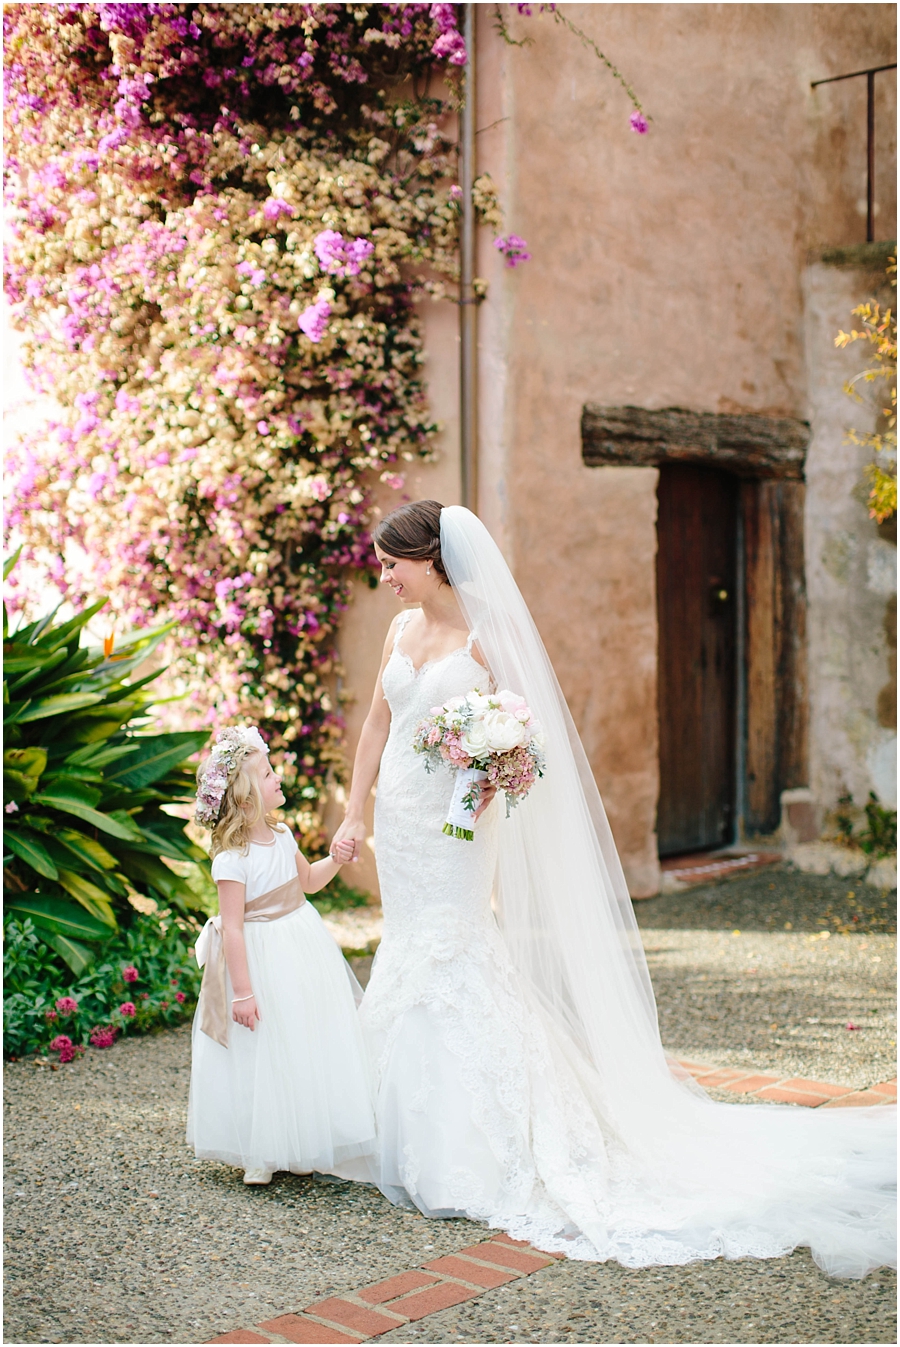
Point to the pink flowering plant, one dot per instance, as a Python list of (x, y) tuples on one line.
[(222, 218), (221, 221), (146, 978), (491, 738)]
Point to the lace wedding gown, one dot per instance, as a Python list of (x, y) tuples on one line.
[(488, 1108)]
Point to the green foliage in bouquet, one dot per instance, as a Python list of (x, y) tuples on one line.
[(85, 790)]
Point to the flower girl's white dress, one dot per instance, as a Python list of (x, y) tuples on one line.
[(294, 1093), (488, 1107)]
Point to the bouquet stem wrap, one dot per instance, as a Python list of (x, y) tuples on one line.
[(463, 803)]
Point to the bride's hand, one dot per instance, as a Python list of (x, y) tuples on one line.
[(486, 794), (351, 830)]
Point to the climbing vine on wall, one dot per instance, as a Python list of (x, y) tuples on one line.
[(222, 217)]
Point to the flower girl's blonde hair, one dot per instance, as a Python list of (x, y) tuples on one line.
[(242, 808), (229, 801)]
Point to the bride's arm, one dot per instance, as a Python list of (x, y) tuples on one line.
[(371, 744)]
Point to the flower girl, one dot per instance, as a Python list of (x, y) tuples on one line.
[(279, 1078)]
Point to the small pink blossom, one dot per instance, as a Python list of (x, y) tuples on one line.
[(180, 998), (67, 1005), (127, 1008), (514, 249), (639, 123), (275, 206), (50, 1016), (313, 321), (103, 1035), (11, 808), (130, 974)]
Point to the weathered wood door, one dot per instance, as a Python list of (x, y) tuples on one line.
[(697, 608)]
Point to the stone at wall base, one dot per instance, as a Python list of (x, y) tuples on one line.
[(828, 858), (883, 874)]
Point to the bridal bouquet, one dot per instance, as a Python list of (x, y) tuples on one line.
[(492, 738)]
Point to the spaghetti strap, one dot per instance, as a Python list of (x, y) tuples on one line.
[(471, 638)]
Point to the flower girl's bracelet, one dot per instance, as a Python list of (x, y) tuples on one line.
[(242, 998)]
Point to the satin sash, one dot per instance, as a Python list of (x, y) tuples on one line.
[(210, 951)]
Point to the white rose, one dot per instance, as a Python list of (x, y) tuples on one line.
[(475, 740), (503, 731), (478, 703)]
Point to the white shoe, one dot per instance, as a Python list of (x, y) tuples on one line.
[(257, 1176)]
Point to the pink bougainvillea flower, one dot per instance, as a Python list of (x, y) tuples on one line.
[(314, 319), (639, 123), (130, 974), (67, 1005), (127, 1008), (513, 248), (11, 808), (275, 206)]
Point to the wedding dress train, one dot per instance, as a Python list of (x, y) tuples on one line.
[(519, 1074)]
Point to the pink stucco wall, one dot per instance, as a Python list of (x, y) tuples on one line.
[(667, 271)]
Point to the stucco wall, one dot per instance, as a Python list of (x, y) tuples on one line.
[(851, 569), (666, 271)]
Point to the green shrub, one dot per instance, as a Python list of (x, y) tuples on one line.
[(164, 991), (86, 788), (880, 835)]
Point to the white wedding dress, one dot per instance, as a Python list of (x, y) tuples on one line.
[(492, 1101)]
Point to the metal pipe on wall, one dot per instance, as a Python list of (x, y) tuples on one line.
[(468, 304)]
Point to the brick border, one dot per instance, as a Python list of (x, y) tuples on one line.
[(360, 1316), (452, 1279), (789, 1089)]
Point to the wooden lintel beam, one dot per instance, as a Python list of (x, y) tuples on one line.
[(749, 446)]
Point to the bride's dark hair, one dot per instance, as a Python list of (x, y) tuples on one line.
[(413, 532)]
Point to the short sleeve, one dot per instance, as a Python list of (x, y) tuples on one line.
[(230, 865), (288, 841)]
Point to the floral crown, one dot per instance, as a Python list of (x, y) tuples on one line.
[(232, 745)]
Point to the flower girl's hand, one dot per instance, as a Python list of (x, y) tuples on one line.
[(486, 793), (245, 1012), (342, 852), (353, 831)]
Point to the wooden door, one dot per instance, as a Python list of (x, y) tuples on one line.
[(697, 610)]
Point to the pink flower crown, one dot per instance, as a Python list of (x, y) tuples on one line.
[(231, 747)]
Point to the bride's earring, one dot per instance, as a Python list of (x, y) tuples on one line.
[(428, 572)]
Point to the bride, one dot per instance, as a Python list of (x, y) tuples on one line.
[(519, 1074)]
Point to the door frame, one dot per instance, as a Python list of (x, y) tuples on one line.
[(768, 454)]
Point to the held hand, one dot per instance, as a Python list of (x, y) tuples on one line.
[(342, 852), (349, 831), (245, 1013), (486, 793)]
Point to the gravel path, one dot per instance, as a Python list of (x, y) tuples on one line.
[(115, 1234)]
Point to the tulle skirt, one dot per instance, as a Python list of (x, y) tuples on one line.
[(295, 1093)]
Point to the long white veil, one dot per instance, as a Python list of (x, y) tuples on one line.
[(703, 1175)]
